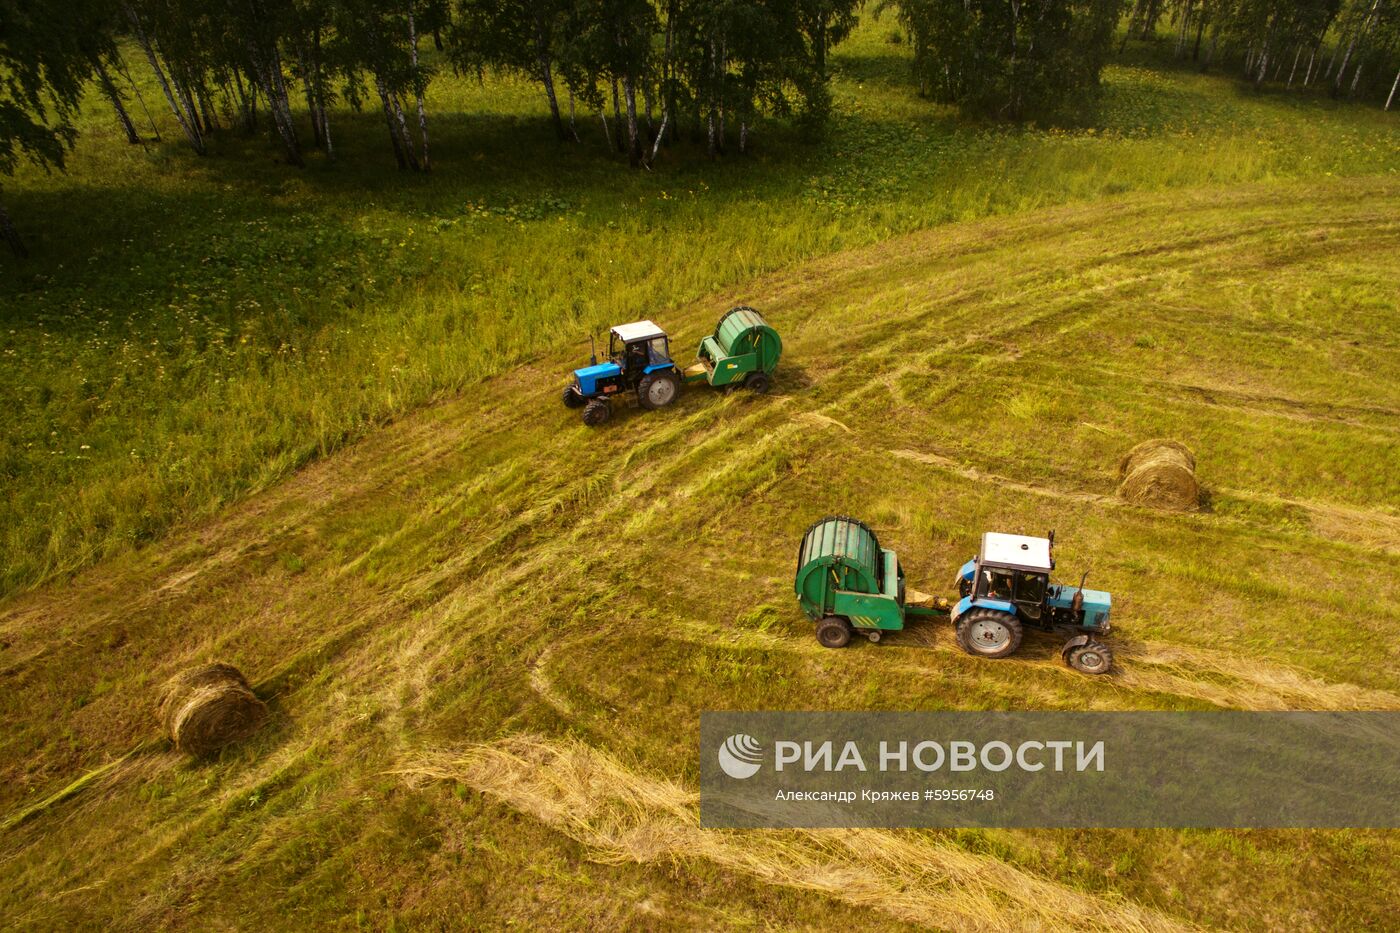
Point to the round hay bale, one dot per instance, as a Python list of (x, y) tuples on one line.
[(205, 708), (1160, 473)]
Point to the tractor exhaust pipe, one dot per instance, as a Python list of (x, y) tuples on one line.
[(592, 351), (1077, 603)]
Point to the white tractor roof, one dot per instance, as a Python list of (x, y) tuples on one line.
[(1016, 551), (641, 330)]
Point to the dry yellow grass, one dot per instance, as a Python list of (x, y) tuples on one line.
[(625, 816)]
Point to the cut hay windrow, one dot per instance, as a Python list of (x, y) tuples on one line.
[(1160, 473), (205, 708), (1241, 684), (623, 817)]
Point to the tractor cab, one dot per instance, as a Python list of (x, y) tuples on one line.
[(1014, 569), (637, 348), (639, 360), (1007, 585)]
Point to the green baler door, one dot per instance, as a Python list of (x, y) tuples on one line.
[(742, 343), (837, 554)]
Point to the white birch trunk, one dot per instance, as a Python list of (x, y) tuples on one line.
[(136, 89), (424, 163), (404, 135), (1358, 34), (110, 90), (394, 139), (191, 132), (1181, 34), (661, 134)]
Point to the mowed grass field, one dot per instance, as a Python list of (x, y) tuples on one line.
[(192, 330), (486, 631)]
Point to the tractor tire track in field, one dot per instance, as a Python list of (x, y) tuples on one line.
[(1277, 406), (1365, 528)]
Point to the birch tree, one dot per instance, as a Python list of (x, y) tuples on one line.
[(114, 97), (1012, 58), (518, 35)]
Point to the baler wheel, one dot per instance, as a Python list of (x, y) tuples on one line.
[(658, 390), (833, 632), (596, 412), (1094, 657), (758, 382), (572, 398), (989, 633)]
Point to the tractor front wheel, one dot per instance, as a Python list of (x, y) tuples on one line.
[(833, 632), (658, 390), (989, 633), (572, 398), (758, 382), (596, 412), (1090, 658)]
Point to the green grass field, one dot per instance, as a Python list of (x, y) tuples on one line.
[(486, 631), (192, 330)]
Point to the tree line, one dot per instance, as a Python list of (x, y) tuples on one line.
[(1008, 58), (645, 71), (648, 71), (1018, 58), (1285, 42)]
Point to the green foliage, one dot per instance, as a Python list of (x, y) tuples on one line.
[(47, 51), (1017, 59)]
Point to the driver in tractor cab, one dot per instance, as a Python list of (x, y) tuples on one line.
[(998, 584), (636, 357)]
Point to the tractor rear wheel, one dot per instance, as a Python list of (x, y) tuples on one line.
[(596, 412), (758, 382), (833, 632), (572, 398), (1091, 658), (989, 633), (657, 390)]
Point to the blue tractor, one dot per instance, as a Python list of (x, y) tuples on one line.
[(1007, 586), (639, 360)]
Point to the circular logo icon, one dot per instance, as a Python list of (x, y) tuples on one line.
[(740, 755)]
